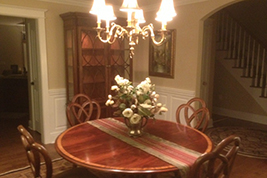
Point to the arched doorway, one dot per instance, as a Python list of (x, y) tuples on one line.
[(224, 93)]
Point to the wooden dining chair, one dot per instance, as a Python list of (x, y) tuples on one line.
[(82, 109), (36, 152), (218, 163), (194, 113)]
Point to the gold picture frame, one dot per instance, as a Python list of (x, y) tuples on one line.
[(161, 58)]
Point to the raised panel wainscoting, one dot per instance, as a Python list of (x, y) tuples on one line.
[(57, 106)]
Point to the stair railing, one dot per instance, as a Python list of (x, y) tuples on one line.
[(248, 52)]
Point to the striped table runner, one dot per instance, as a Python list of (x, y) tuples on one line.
[(170, 152)]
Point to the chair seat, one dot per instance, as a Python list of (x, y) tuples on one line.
[(76, 173)]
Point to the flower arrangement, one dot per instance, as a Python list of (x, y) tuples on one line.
[(134, 103)]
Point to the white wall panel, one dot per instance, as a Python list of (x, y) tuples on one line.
[(171, 97), (57, 116)]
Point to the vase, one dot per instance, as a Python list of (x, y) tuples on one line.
[(136, 130)]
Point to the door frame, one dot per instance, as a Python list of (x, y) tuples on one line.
[(39, 16), (33, 74)]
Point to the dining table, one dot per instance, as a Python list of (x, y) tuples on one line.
[(104, 147)]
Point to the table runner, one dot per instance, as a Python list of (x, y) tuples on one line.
[(170, 152)]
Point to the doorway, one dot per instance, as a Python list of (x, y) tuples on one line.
[(18, 54), (38, 15), (225, 96)]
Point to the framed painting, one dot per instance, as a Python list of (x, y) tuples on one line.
[(161, 57)]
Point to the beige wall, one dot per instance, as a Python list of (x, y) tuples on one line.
[(11, 47), (238, 99), (54, 36), (188, 23)]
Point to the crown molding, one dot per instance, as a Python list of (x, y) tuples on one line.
[(151, 7), (82, 3), (155, 7)]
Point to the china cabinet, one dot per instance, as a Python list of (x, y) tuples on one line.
[(91, 65)]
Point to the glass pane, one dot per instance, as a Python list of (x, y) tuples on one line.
[(70, 68)]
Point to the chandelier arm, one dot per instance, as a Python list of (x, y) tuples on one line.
[(112, 34), (107, 36), (146, 30), (117, 31), (150, 29), (157, 43)]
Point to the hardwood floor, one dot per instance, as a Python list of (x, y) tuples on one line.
[(12, 153), (244, 167)]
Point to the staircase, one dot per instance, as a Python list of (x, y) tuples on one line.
[(244, 56), (248, 53)]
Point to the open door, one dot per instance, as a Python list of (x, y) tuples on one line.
[(208, 63), (33, 74)]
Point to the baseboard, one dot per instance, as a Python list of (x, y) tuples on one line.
[(260, 119)]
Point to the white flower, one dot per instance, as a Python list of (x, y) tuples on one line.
[(139, 93), (162, 109), (125, 81), (148, 80), (133, 107), (146, 106), (130, 88), (127, 113), (135, 102), (135, 119), (144, 86), (159, 104), (153, 94), (115, 87), (156, 96), (118, 79), (109, 102)]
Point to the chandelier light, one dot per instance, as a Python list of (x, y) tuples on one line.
[(135, 16)]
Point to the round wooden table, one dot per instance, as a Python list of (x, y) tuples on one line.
[(88, 146)]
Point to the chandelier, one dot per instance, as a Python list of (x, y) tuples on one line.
[(135, 17)]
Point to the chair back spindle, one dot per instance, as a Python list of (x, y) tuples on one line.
[(218, 163), (194, 113)]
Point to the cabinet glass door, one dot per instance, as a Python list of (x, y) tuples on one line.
[(70, 64), (93, 64)]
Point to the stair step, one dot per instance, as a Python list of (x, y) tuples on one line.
[(238, 67), (249, 77), (234, 42), (222, 50), (255, 86), (230, 58)]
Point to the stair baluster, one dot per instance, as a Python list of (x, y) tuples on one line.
[(247, 51)]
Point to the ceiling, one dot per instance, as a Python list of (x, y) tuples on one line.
[(145, 4), (6, 20)]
